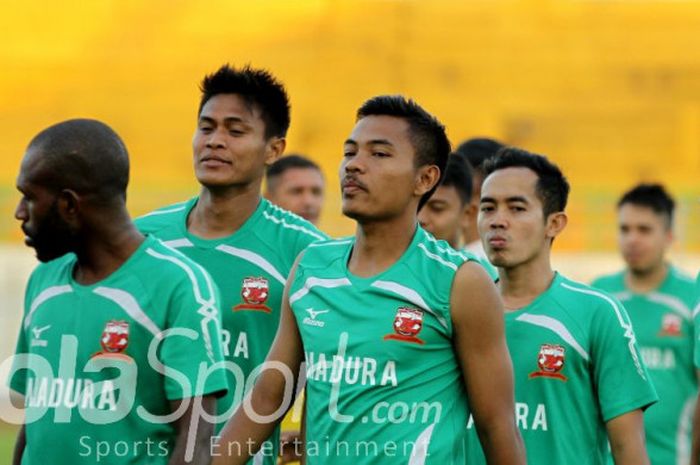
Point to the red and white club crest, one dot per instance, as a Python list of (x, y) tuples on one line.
[(671, 325), (408, 322), (550, 361), (255, 291), (115, 337)]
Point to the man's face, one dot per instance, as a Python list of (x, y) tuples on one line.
[(511, 221), (299, 190), (378, 174), (643, 237), (229, 144), (444, 215), (38, 210)]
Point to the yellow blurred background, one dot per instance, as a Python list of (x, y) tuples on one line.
[(609, 90)]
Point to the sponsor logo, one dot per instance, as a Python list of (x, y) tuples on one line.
[(407, 324), (671, 325), (114, 340), (550, 361), (311, 319), (37, 341), (255, 292)]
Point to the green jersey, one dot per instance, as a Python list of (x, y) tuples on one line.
[(250, 268), (662, 322), (576, 366), (383, 381), (100, 364)]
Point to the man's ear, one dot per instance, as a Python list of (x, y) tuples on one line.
[(68, 204), (426, 178), (275, 149), (556, 222)]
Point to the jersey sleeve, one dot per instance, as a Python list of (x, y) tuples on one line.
[(192, 347), (620, 375)]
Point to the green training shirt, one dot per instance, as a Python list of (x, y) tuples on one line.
[(383, 381), (97, 363), (662, 322), (576, 366), (250, 268)]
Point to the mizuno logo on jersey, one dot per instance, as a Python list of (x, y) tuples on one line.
[(312, 320), (37, 341)]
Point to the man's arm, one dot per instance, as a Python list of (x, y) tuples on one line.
[(242, 436), (19, 446), (626, 435), (479, 338), (193, 441)]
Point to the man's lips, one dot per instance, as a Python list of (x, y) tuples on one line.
[(351, 186), (497, 241), (212, 160)]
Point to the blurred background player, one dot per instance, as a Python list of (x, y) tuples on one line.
[(578, 372), (382, 304), (296, 183), (95, 304), (476, 151), (659, 299), (446, 213), (246, 243)]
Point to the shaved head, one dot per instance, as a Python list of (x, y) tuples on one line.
[(82, 155)]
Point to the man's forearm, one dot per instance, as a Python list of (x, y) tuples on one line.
[(502, 444)]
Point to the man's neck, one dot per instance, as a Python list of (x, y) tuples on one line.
[(648, 280), (103, 249), (521, 285), (221, 212), (378, 245)]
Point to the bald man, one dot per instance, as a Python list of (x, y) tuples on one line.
[(116, 363)]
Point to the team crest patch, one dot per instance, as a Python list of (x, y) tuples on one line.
[(407, 324), (671, 325), (255, 291), (550, 362), (114, 340)]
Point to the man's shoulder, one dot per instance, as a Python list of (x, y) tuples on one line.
[(281, 223), (163, 217), (610, 282), (586, 301)]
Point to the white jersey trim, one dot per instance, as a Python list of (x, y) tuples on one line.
[(46, 294), (176, 243), (318, 282), (207, 307), (626, 325), (166, 211), (131, 306), (437, 258), (253, 258), (295, 227), (410, 295), (557, 327)]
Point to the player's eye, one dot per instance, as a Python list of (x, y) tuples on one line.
[(487, 208), (380, 154), (349, 153)]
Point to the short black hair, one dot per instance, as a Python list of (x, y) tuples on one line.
[(458, 174), (478, 150), (288, 162), (83, 155), (552, 187), (427, 134), (652, 196), (257, 87)]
